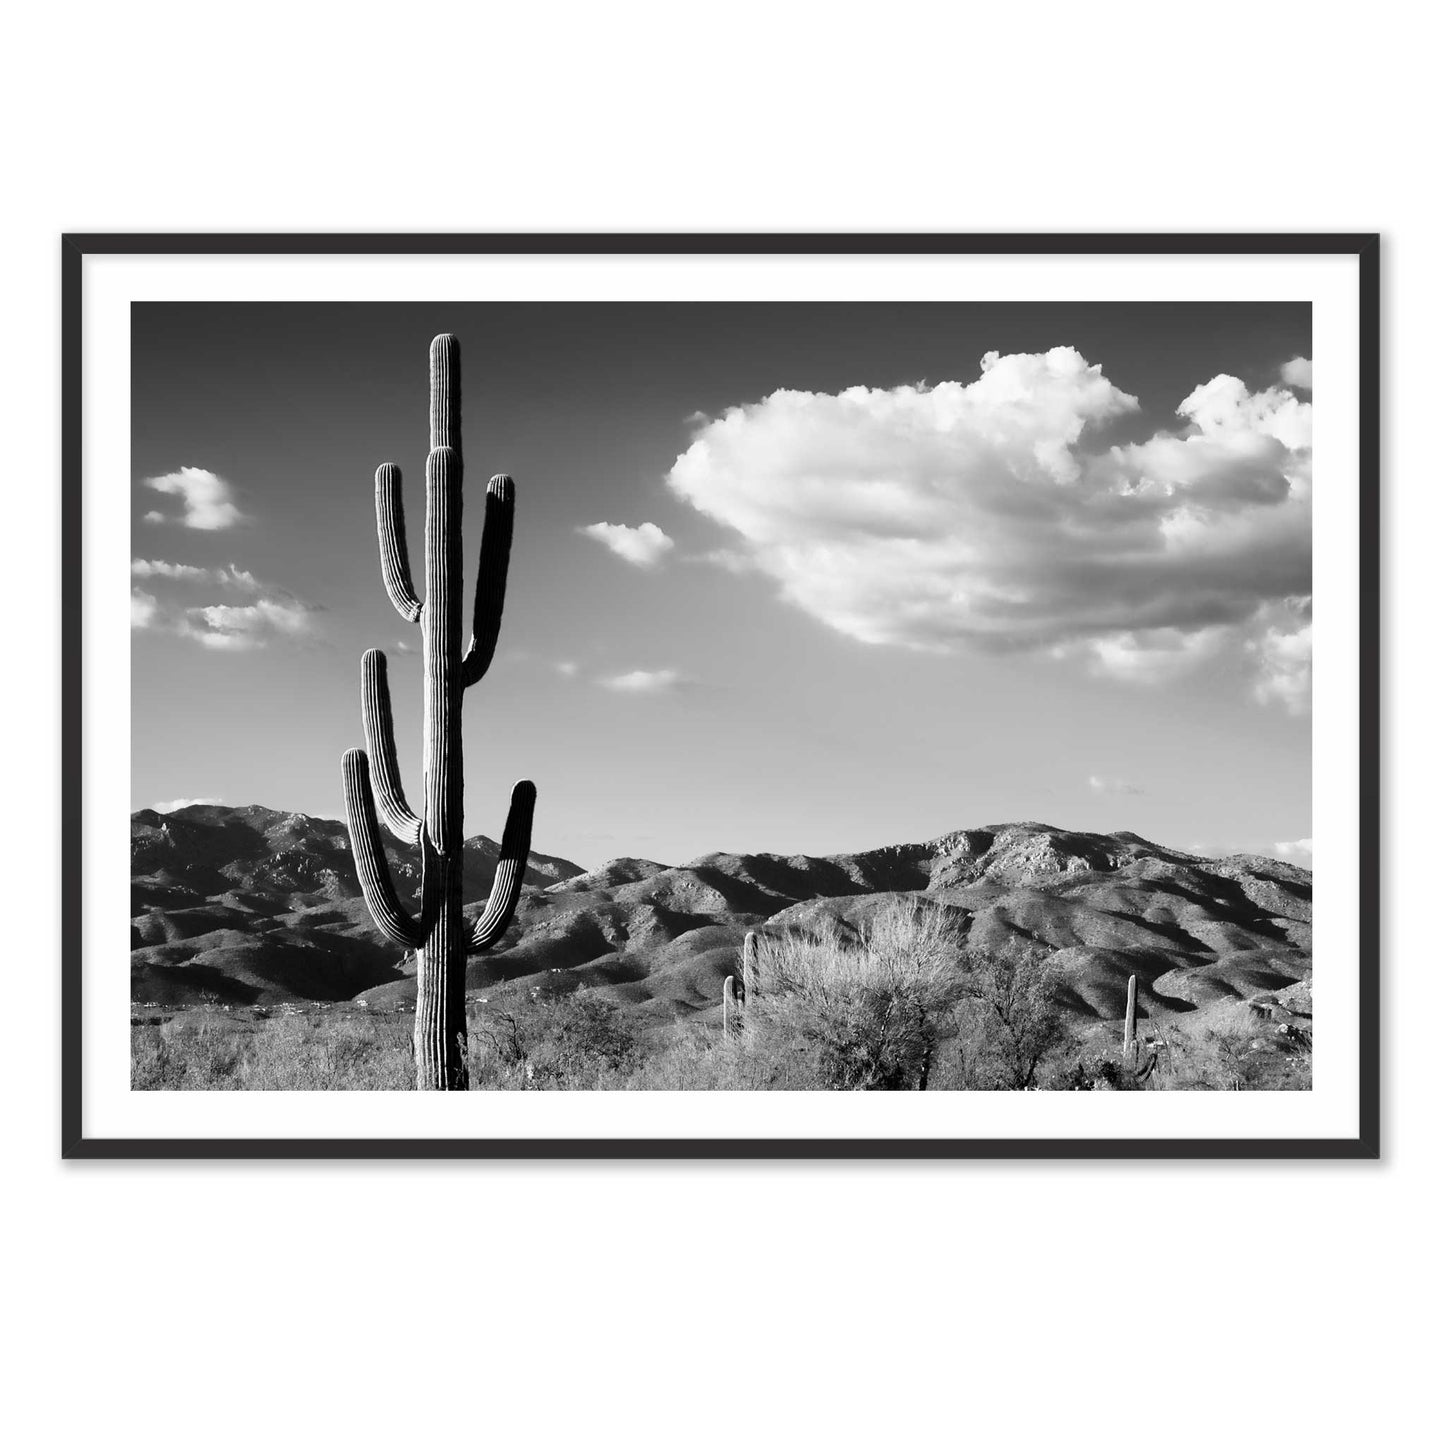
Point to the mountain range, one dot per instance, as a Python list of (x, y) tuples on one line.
[(250, 905)]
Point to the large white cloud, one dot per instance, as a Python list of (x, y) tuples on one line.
[(996, 514), (205, 499)]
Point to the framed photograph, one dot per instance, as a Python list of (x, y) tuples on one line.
[(779, 696)]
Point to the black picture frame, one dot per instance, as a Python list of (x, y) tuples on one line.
[(75, 1144)]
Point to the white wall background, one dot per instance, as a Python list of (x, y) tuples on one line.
[(700, 1302)]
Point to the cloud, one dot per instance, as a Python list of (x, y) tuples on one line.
[(995, 515), (665, 680), (1284, 651), (238, 629), (643, 546), (205, 499), (1101, 784), (275, 614), (567, 669), (1302, 849), (227, 576), (144, 609), (176, 803), (1299, 373)]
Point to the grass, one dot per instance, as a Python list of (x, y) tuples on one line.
[(900, 1005)]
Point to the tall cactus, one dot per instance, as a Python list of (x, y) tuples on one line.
[(438, 933)]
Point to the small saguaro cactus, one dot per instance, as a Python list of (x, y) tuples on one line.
[(1131, 1045), (737, 997), (439, 934), (750, 967), (732, 1007)]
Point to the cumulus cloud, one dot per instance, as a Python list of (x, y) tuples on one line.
[(643, 546), (1114, 786), (206, 503), (1298, 372), (1302, 850), (664, 680), (995, 514), (176, 803)]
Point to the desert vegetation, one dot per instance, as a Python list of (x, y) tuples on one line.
[(902, 1003)]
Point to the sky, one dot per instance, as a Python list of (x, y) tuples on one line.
[(791, 578)]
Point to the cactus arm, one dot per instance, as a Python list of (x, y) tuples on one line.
[(371, 866), (496, 917), (391, 533), (491, 579), (391, 801)]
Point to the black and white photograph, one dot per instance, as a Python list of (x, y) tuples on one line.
[(732, 697), (720, 723)]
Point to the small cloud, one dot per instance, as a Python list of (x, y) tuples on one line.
[(223, 626), (405, 646), (177, 803), (1299, 373), (205, 499), (1116, 786), (240, 629), (738, 563), (144, 609), (227, 576), (1149, 657), (643, 546), (567, 669), (1302, 850), (665, 680), (154, 518)]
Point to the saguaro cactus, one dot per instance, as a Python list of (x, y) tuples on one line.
[(736, 997), (1131, 1047), (732, 1007), (438, 933), (750, 967)]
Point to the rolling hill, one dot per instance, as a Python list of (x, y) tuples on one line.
[(250, 905)]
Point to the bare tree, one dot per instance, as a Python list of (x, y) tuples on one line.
[(1009, 996)]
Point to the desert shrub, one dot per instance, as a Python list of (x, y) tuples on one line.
[(1012, 1020), (1234, 1052), (552, 1040), (868, 1013), (1104, 1071)]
